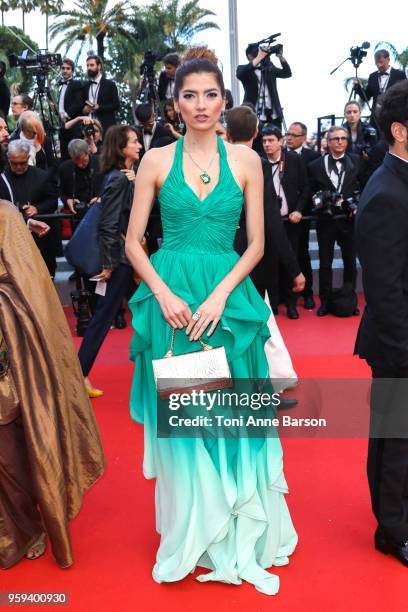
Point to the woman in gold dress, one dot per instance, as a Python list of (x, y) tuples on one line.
[(50, 449)]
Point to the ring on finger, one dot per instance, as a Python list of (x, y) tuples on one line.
[(196, 316)]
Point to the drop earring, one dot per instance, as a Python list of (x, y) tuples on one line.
[(223, 120), (180, 121)]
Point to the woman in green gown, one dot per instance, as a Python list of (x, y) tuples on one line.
[(220, 502)]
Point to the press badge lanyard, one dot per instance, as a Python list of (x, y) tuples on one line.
[(340, 176)]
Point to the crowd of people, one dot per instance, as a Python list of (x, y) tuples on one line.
[(172, 221)]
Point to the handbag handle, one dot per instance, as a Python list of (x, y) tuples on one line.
[(205, 347)]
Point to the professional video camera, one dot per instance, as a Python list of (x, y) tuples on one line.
[(40, 62), (149, 60), (332, 203), (358, 53), (265, 44)]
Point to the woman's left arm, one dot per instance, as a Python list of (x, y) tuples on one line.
[(114, 193), (250, 169)]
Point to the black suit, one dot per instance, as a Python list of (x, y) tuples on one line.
[(246, 74), (330, 230), (277, 245), (162, 86), (73, 104), (39, 188), (161, 137), (82, 184), (294, 185), (108, 100), (307, 155), (373, 86), (382, 242)]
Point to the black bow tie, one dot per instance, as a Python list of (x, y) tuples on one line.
[(275, 163), (333, 163), (62, 82), (94, 82), (383, 73), (148, 132)]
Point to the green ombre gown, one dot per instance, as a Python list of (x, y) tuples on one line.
[(220, 503)]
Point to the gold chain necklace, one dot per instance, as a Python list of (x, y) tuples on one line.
[(204, 176)]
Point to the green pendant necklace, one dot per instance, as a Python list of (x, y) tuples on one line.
[(204, 176)]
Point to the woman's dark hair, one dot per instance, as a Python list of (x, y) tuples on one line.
[(195, 61), (394, 108), (115, 141)]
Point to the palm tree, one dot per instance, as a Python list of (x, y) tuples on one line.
[(4, 7), (26, 6), (180, 22), (91, 19), (47, 8)]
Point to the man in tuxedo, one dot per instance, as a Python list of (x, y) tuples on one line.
[(242, 129), (258, 78), (380, 80), (70, 103), (340, 172), (152, 133), (296, 141), (382, 340), (166, 79), (289, 186), (34, 192), (100, 94)]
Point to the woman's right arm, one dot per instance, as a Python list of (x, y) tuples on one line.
[(175, 310)]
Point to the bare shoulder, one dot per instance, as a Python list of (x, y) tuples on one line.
[(159, 155), (157, 162)]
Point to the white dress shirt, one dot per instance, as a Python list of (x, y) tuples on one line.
[(94, 89), (284, 210), (61, 101)]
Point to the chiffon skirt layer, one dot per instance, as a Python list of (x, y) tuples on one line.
[(220, 502)]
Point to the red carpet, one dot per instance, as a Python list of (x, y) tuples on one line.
[(334, 568)]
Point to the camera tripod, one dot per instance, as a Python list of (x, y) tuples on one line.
[(44, 98), (356, 57), (261, 108), (148, 91)]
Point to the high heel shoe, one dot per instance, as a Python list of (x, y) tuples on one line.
[(92, 392)]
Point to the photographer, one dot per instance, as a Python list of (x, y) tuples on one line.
[(80, 179), (89, 130), (100, 94), (70, 103), (361, 136), (153, 134), (339, 173), (33, 191), (379, 81), (166, 79), (258, 78), (296, 138), (289, 186)]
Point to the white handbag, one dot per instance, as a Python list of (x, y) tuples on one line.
[(206, 369)]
